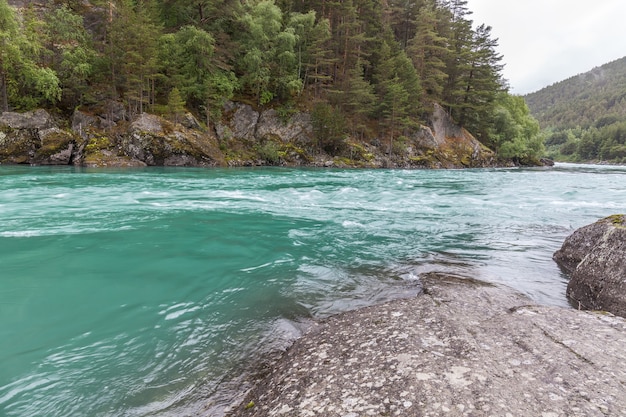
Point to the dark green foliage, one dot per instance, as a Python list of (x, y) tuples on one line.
[(515, 133), (269, 152), (373, 68), (175, 104), (607, 143), (24, 82), (329, 128), (568, 148), (429, 50), (557, 138)]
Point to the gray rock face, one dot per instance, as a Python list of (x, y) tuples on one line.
[(444, 127), (147, 123), (243, 122), (32, 138), (113, 112), (87, 125), (297, 129), (190, 122), (461, 349), (153, 141), (595, 256), (83, 122), (425, 138), (38, 119)]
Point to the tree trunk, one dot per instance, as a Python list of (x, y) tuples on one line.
[(3, 92)]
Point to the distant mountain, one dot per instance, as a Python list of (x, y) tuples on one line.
[(582, 100), (584, 117)]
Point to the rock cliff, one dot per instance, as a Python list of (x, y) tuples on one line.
[(102, 136), (595, 258)]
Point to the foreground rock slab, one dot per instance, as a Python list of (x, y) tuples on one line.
[(463, 348)]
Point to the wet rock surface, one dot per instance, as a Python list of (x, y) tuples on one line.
[(595, 257), (463, 348)]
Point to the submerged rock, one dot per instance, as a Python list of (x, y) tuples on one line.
[(463, 348), (595, 258)]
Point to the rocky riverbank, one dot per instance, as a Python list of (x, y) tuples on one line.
[(462, 348), (103, 136), (468, 348)]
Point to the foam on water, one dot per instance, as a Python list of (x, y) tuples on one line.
[(148, 292)]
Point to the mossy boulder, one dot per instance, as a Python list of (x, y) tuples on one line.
[(57, 147), (32, 138), (155, 141), (595, 258)]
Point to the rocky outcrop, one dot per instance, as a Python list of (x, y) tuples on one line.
[(595, 258), (295, 129), (447, 145), (57, 147), (103, 135), (463, 348), (154, 141), (241, 121), (31, 120), (33, 138)]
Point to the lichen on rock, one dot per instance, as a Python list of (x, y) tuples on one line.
[(595, 258), (462, 348)]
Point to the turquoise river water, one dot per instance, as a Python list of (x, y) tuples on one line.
[(152, 292)]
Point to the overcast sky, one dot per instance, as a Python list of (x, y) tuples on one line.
[(546, 41)]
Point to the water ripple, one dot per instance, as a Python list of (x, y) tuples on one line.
[(149, 292)]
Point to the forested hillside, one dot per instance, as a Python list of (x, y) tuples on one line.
[(585, 116), (363, 68)]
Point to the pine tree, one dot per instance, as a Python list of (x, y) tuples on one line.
[(175, 104), (132, 51), (357, 98), (10, 54), (262, 22), (459, 35), (398, 92), (428, 50), (321, 62), (481, 83)]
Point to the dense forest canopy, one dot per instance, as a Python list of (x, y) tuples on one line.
[(585, 115), (379, 66)]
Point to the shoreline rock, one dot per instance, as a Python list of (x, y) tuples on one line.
[(463, 348), (595, 258)]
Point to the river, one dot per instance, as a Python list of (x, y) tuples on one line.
[(152, 292)]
